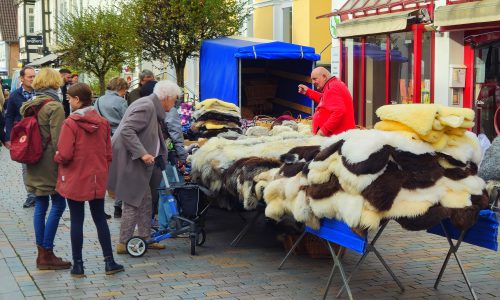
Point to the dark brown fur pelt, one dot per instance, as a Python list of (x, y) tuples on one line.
[(328, 151), (373, 164), (421, 171), (482, 201), (230, 176), (323, 190), (307, 153), (305, 169), (290, 170), (213, 115), (464, 218), (422, 179), (382, 192), (432, 217), (451, 160), (408, 161), (257, 163), (461, 173)]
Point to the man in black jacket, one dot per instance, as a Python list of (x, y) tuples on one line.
[(66, 77)]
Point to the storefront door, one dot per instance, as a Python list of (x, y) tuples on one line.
[(486, 86)]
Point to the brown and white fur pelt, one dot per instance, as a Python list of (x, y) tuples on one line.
[(217, 155), (363, 177)]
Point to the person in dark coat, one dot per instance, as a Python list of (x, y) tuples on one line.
[(66, 78), (137, 142), (12, 116), (84, 154)]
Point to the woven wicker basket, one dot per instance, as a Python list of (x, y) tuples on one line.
[(310, 245), (306, 121), (264, 121)]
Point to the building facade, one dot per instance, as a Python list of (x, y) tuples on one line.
[(293, 21), (418, 51), (9, 45)]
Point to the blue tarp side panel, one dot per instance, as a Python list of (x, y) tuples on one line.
[(277, 50), (219, 69), (339, 233), (483, 234)]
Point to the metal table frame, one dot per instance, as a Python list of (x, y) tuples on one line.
[(337, 263), (453, 250)]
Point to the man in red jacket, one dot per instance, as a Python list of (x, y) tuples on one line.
[(334, 112)]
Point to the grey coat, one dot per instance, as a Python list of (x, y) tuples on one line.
[(174, 129), (138, 134), (490, 165), (112, 107)]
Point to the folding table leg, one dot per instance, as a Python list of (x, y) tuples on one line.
[(453, 250), (370, 248), (338, 264), (291, 249), (245, 229)]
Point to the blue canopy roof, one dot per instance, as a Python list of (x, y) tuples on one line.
[(219, 62)]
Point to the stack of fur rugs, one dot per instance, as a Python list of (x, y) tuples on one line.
[(360, 177), (212, 117), (438, 125)]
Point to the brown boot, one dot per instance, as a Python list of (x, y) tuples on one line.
[(39, 255), (48, 261)]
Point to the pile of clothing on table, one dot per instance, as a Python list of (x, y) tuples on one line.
[(360, 176), (213, 116)]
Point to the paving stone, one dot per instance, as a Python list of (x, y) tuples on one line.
[(219, 271)]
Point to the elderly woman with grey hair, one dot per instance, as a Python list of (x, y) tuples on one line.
[(137, 142)]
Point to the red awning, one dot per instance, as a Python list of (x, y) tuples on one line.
[(370, 7)]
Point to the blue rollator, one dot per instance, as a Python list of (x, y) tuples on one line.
[(180, 211)]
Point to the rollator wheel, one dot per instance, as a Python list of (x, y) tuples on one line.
[(200, 238), (136, 246), (193, 244)]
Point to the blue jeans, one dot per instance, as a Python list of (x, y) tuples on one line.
[(45, 230)]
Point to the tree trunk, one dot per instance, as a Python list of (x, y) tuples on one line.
[(102, 83), (179, 73)]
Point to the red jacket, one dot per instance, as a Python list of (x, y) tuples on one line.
[(334, 113), (84, 155)]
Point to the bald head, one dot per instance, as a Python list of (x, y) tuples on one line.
[(319, 77)]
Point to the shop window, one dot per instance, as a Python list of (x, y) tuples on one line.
[(487, 86), (425, 91), (352, 69), (401, 67), (375, 59)]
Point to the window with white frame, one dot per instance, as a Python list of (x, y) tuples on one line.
[(31, 20)]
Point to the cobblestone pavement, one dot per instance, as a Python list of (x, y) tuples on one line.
[(219, 271)]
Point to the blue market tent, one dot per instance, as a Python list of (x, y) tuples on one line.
[(228, 64)]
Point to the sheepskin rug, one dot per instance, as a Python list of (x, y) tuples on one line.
[(360, 177)]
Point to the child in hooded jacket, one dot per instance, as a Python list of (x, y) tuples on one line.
[(84, 155)]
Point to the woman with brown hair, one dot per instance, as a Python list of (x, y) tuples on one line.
[(84, 155)]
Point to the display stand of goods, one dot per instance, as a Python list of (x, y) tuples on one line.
[(310, 245), (258, 92)]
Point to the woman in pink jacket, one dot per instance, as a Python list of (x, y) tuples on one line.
[(84, 154)]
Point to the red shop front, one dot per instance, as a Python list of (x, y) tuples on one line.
[(387, 53), (479, 21)]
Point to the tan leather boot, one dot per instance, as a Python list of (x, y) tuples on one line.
[(48, 261), (121, 248)]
